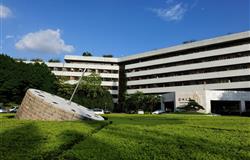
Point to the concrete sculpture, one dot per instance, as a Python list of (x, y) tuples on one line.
[(40, 105)]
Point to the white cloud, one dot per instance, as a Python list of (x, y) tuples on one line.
[(169, 1), (9, 36), (171, 13), (44, 41), (5, 12)]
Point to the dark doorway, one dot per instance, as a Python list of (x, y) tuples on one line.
[(247, 104), (225, 107), (169, 106)]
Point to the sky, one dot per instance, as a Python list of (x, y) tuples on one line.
[(53, 28)]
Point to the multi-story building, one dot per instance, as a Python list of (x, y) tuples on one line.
[(221, 63), (73, 67)]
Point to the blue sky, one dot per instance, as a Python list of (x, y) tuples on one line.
[(53, 28)]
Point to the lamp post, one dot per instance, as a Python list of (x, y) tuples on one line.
[(76, 86)]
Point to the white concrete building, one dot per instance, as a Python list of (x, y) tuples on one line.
[(72, 70), (215, 101), (221, 63)]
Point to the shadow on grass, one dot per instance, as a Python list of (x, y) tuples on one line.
[(70, 138), (28, 141), (147, 121), (20, 142), (127, 143), (10, 116), (75, 138), (154, 144), (7, 115), (91, 148)]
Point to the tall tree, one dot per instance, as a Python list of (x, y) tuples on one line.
[(139, 100), (54, 60), (36, 60), (86, 54), (151, 102), (16, 77), (90, 93)]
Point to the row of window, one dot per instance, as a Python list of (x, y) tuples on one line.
[(80, 70), (189, 72), (194, 82), (193, 50), (193, 61), (94, 63), (103, 79)]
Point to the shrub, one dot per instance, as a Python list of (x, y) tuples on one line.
[(192, 106)]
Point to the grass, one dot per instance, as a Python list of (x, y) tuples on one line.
[(25, 139), (174, 136)]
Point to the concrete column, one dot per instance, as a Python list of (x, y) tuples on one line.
[(242, 106), (175, 107), (208, 106), (162, 104)]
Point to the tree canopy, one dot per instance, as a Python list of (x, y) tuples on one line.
[(17, 77), (139, 100), (90, 93), (36, 60), (86, 54), (54, 60)]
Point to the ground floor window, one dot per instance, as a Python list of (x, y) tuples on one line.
[(247, 104), (225, 107)]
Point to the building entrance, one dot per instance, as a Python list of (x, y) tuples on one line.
[(169, 106)]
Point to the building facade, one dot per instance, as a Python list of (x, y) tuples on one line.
[(221, 63), (213, 101), (71, 71)]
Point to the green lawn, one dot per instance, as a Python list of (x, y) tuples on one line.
[(174, 136), (24, 139)]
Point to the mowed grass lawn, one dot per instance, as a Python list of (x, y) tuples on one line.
[(169, 136), (26, 139)]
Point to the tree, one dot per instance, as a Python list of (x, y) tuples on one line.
[(151, 102), (93, 80), (54, 60), (139, 100), (134, 101), (20, 59), (86, 54), (192, 105), (17, 77), (108, 55), (90, 93), (36, 60)]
